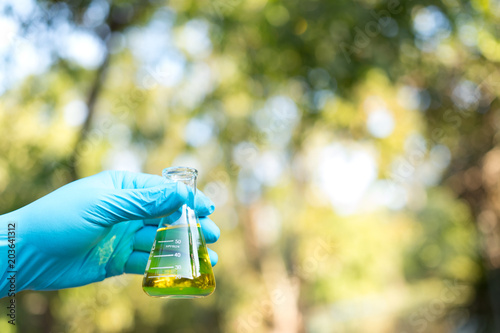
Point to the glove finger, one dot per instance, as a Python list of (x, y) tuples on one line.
[(202, 204), (136, 263), (135, 180), (210, 230), (144, 238), (155, 222), (132, 204), (214, 258)]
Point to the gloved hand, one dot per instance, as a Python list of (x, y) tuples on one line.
[(93, 228)]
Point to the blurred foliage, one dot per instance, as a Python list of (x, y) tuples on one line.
[(332, 136)]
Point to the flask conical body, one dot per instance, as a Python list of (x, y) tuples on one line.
[(179, 265)]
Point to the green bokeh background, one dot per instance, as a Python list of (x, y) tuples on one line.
[(267, 91)]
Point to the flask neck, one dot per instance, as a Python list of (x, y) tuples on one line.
[(186, 176)]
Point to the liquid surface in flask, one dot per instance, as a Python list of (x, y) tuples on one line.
[(179, 265)]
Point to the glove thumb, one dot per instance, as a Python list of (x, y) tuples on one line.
[(137, 204)]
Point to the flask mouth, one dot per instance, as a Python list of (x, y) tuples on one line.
[(180, 173)]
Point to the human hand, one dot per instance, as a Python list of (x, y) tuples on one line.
[(94, 228)]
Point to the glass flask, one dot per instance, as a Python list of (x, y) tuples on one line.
[(179, 265)]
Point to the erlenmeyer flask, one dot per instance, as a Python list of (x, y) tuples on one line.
[(178, 265)]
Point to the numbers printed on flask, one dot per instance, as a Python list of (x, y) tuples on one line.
[(177, 241), (177, 254)]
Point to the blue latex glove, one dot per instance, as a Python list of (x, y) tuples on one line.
[(93, 228)]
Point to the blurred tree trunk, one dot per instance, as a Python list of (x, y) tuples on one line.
[(91, 104), (282, 289), (475, 177), (119, 18)]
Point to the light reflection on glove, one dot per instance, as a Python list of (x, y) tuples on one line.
[(94, 228)]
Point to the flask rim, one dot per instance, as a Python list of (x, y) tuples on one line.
[(180, 172)]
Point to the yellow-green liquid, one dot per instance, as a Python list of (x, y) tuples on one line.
[(179, 265)]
